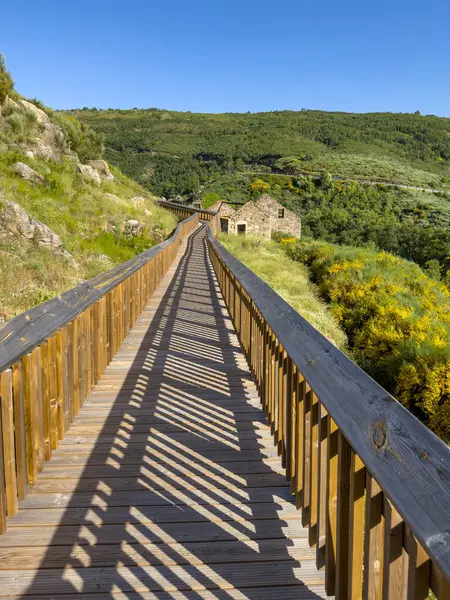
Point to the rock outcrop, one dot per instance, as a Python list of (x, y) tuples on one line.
[(133, 228), (16, 222), (102, 168), (28, 173), (50, 143), (90, 173)]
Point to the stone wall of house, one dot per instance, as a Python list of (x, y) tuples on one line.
[(257, 222), (288, 223)]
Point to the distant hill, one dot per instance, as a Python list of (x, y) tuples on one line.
[(236, 157), (176, 153)]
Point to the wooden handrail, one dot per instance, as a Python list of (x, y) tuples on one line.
[(183, 211), (52, 356), (372, 481)]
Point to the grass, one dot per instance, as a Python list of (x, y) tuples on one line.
[(89, 218), (288, 278)]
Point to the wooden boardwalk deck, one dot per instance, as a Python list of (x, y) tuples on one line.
[(168, 484)]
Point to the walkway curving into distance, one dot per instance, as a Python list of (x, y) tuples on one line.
[(168, 484)]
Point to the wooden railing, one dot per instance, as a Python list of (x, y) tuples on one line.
[(373, 483), (53, 355), (182, 211)]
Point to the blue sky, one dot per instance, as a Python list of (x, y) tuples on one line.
[(231, 56)]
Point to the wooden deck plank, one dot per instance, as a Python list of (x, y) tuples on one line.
[(196, 553), (295, 592), (223, 576), (168, 484)]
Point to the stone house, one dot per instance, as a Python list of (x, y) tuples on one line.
[(262, 217), (283, 220)]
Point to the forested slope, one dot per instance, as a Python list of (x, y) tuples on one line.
[(168, 151)]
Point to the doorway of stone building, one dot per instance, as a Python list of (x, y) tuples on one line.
[(223, 225), (242, 228)]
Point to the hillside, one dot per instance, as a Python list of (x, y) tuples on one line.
[(308, 160), (174, 153), (65, 215)]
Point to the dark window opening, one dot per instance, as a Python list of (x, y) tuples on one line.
[(281, 213), (242, 228)]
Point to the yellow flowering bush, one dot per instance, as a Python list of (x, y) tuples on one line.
[(397, 320)]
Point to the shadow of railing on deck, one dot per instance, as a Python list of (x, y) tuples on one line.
[(164, 484)]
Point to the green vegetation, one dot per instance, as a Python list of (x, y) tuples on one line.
[(397, 320), (89, 217), (288, 278), (413, 225), (6, 81), (179, 153), (83, 140), (236, 157)]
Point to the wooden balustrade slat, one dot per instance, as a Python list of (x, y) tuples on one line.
[(280, 401), (293, 433), (314, 469), (3, 517), (323, 483), (52, 393), (418, 565), (306, 487), (343, 517), (70, 370), (37, 407), (46, 401), (9, 457), (19, 431), (299, 439), (331, 518), (374, 541), (59, 376), (64, 367), (288, 399), (395, 567), (356, 526)]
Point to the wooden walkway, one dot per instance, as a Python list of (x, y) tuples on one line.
[(168, 484)]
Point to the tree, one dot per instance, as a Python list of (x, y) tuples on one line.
[(326, 181), (259, 186), (6, 81)]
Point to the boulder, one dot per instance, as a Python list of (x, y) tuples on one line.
[(102, 167), (40, 116), (50, 143), (133, 227), (16, 222), (90, 173), (28, 173), (44, 150)]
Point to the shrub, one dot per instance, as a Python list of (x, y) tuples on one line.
[(397, 320), (6, 81), (210, 199), (83, 140), (288, 279)]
